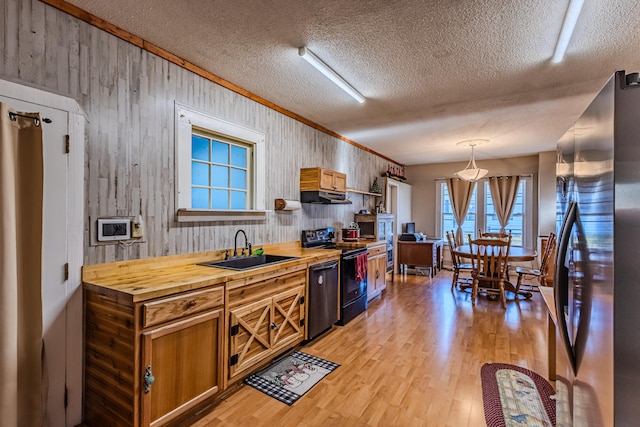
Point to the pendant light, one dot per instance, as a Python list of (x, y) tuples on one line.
[(472, 172)]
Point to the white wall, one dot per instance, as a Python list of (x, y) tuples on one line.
[(423, 181), (546, 193), (398, 201), (128, 95)]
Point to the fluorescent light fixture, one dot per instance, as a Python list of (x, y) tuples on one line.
[(309, 56), (570, 19), (472, 172)]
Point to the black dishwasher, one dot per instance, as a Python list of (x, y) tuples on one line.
[(323, 298)]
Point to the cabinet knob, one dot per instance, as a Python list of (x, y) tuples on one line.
[(192, 303), (274, 326), (377, 274), (148, 379)]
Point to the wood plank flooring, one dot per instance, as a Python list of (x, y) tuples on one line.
[(413, 359)]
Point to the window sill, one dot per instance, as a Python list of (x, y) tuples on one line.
[(207, 215)]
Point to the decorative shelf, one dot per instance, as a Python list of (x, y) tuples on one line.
[(366, 193)]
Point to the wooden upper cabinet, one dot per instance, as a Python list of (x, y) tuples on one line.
[(319, 179)]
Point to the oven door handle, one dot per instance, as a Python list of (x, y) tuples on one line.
[(354, 256), (322, 267)]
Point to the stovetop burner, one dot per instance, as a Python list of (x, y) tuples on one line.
[(322, 238), (317, 238)]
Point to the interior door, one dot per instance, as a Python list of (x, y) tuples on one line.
[(55, 292)]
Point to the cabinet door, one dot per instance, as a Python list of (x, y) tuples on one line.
[(181, 366), (382, 230), (381, 270), (250, 339), (327, 180), (287, 323), (376, 275), (340, 181), (389, 232), (371, 278)]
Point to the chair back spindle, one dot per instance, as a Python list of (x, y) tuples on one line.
[(489, 263)]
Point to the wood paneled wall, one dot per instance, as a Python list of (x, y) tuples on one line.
[(128, 95)]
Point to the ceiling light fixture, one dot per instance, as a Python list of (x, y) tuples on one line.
[(569, 24), (472, 172), (312, 59)]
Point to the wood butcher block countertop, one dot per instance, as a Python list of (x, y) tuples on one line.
[(144, 279)]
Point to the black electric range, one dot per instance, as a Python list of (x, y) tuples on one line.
[(353, 280)]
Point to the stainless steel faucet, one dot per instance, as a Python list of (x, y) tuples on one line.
[(247, 245)]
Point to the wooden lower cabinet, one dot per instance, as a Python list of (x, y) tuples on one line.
[(137, 375), (183, 359), (376, 270), (265, 318), (149, 363)]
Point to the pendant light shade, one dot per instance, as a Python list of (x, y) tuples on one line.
[(472, 172)]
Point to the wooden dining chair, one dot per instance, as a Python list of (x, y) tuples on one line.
[(489, 265), (541, 273), (458, 265), (495, 235)]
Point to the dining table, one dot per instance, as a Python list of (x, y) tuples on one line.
[(516, 254)]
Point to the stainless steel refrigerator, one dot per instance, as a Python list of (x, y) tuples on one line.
[(598, 261)]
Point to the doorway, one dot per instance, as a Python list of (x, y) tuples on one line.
[(61, 246)]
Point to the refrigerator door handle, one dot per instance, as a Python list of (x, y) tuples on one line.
[(562, 280)]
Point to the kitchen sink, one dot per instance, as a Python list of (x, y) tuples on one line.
[(248, 262)]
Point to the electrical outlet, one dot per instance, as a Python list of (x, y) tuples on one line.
[(137, 228)]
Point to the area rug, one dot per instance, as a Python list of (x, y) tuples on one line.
[(291, 377), (515, 396)]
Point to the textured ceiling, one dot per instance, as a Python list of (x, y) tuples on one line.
[(433, 72)]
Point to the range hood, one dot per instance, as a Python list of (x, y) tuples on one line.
[(324, 197)]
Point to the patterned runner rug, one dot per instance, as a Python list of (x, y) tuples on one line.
[(515, 396), (290, 378)]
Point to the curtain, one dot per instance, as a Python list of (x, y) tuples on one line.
[(503, 192), (460, 193), (21, 183)]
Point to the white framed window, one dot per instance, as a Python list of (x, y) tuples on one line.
[(220, 168), (516, 224), (447, 219), (481, 214)]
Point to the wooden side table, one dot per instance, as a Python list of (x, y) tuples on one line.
[(423, 253)]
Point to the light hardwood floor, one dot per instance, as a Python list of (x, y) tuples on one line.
[(413, 359)]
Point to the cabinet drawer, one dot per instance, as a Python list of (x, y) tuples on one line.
[(156, 312), (377, 250)]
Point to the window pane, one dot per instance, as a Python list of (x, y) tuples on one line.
[(516, 222), (238, 179), (238, 156), (199, 173), (448, 221), (219, 152), (238, 200), (199, 148), (200, 198), (219, 199), (219, 176)]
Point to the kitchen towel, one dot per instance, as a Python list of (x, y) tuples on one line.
[(361, 267)]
